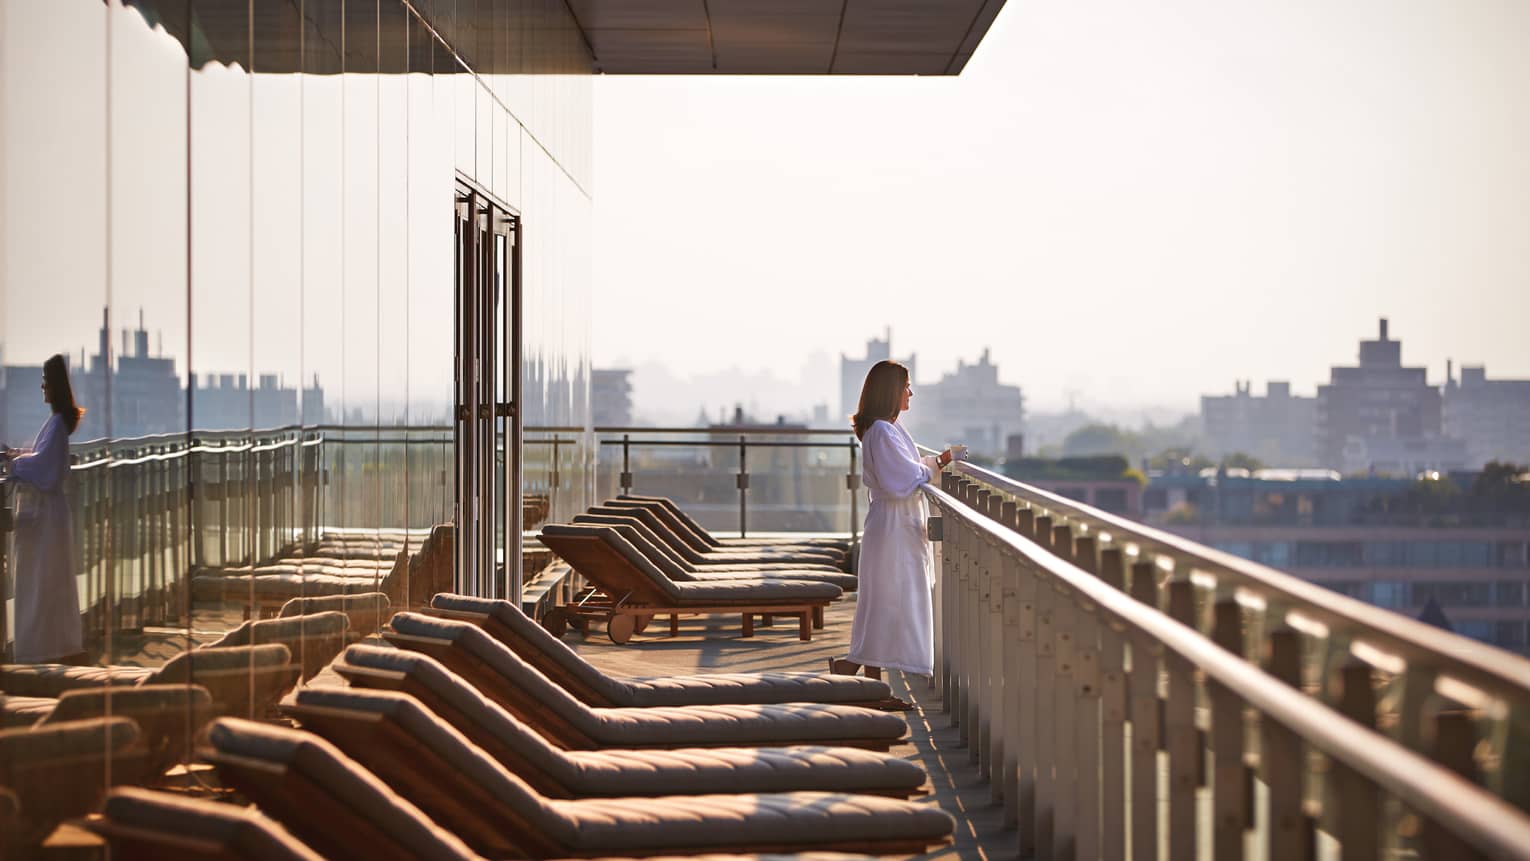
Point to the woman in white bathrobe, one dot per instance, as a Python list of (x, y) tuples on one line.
[(47, 600), (894, 607)]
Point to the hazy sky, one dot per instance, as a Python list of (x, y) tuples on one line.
[(1138, 202)]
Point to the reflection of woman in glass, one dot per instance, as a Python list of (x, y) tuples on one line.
[(894, 619), (47, 604)]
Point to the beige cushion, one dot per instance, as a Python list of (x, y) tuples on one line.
[(69, 739), (183, 667), (698, 535), (349, 604), (139, 700), (50, 680), (675, 821), (796, 723), (678, 569), (701, 689), (654, 520), (741, 591), (24, 711), (349, 783), (242, 831), (628, 772), (289, 631)]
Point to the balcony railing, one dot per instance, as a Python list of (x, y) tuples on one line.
[(1084, 657)]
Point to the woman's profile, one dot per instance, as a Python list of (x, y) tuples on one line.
[(47, 603), (894, 608)]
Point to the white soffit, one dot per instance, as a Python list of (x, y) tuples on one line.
[(783, 37)]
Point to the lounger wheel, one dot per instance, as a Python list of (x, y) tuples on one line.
[(621, 628), (642, 622), (556, 622)]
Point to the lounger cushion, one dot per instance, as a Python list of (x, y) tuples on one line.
[(138, 700), (292, 629), (631, 517), (50, 680), (344, 779), (184, 667), (245, 832), (656, 522), (702, 537), (675, 569), (678, 822), (742, 591), (19, 747), (798, 818), (24, 711), (342, 603), (704, 689), (632, 772), (217, 586), (702, 725)]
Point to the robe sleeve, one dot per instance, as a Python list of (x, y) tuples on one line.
[(895, 471), (42, 468)]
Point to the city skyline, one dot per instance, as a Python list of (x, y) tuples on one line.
[(1139, 202)]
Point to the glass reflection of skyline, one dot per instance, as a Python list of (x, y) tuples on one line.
[(149, 396)]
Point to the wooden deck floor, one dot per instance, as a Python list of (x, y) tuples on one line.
[(713, 644)]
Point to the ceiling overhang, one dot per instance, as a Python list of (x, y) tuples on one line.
[(783, 37)]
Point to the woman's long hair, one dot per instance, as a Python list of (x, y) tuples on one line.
[(881, 395), (60, 395)]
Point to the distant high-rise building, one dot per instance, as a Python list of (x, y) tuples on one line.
[(611, 397), (1278, 428), (852, 372), (969, 406), (1382, 416), (1492, 417)]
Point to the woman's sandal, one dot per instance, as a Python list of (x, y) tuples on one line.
[(893, 704)]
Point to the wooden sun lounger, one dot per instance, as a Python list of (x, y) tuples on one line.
[(505, 622), (701, 538), (653, 517), (299, 777), (166, 716), (633, 587), (370, 723), (323, 798), (144, 825), (57, 772), (502, 676), (314, 639), (660, 552)]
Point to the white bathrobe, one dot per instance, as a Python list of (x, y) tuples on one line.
[(47, 600), (894, 606)]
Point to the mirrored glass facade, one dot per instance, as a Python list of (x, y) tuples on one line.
[(274, 244)]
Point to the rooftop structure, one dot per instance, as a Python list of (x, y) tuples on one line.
[(1276, 428), (969, 406), (1492, 417)]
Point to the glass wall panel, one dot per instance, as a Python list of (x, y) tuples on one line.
[(235, 222)]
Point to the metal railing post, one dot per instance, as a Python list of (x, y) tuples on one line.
[(743, 485), (625, 479)]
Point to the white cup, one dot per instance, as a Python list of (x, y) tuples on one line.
[(958, 452)]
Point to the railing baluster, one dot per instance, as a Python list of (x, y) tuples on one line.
[(1027, 675), (1454, 739), (1088, 824), (1009, 587), (1112, 720), (1184, 741), (1229, 779), (1357, 801), (1145, 729), (1064, 703), (1047, 692), (983, 663), (999, 673), (1281, 756), (950, 554)]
